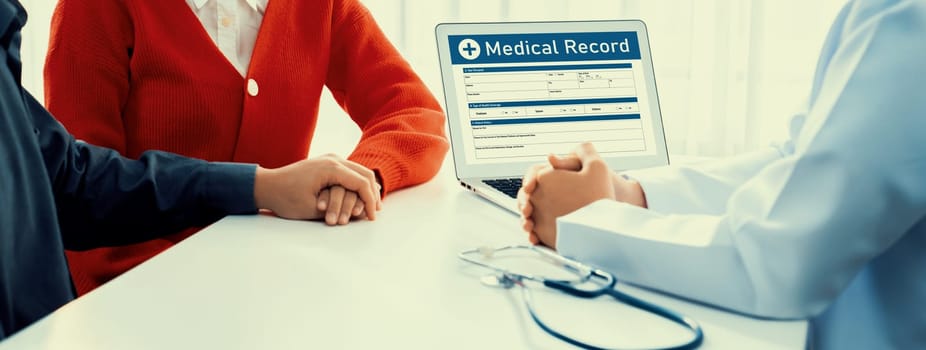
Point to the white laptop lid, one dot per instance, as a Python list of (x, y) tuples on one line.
[(516, 92)]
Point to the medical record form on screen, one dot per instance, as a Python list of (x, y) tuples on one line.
[(523, 96)]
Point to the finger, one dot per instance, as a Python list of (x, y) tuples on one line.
[(334, 208), (348, 206), (545, 174), (587, 153), (358, 208), (528, 225), (369, 175), (527, 209), (570, 162), (533, 238), (353, 181), (378, 189), (323, 198), (530, 178)]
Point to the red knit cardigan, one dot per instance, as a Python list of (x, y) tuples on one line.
[(135, 75)]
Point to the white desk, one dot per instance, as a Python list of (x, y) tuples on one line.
[(259, 282)]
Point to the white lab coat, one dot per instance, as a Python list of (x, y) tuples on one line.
[(829, 226)]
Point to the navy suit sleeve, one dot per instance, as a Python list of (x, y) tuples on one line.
[(104, 199)]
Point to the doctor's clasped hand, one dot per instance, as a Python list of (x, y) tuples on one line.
[(569, 183)]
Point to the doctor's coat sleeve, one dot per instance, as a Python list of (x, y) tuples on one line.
[(786, 241)]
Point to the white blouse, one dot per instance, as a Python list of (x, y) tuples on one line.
[(233, 26)]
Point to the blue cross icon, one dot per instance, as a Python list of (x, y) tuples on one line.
[(469, 49)]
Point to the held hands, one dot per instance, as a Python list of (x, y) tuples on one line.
[(342, 204), (326, 186), (565, 185)]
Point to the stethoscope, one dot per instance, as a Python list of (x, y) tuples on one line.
[(505, 278)]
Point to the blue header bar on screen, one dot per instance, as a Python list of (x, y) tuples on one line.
[(551, 47), (546, 68), (583, 118)]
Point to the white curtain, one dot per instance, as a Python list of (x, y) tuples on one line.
[(729, 72)]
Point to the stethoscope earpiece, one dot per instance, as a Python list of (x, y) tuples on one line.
[(486, 252), (497, 281)]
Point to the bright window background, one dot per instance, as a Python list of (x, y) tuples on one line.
[(730, 73)]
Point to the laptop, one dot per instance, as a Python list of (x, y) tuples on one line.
[(516, 92)]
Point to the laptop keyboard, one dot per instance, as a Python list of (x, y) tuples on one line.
[(509, 187)]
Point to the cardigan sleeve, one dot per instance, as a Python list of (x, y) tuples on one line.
[(87, 69), (403, 125)]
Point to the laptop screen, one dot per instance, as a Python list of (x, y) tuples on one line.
[(518, 96)]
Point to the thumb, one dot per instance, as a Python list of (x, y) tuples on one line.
[(587, 154), (570, 162)]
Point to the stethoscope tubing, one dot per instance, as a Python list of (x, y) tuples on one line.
[(607, 287), (684, 321)]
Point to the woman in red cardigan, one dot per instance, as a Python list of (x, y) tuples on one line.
[(235, 80)]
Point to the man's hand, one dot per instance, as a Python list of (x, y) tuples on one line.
[(293, 191)]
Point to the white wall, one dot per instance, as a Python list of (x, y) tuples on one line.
[(35, 43)]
